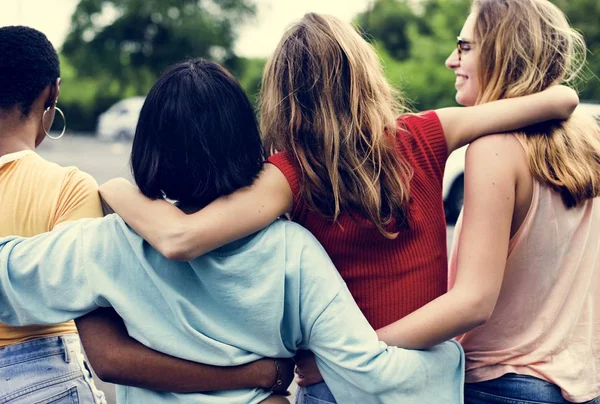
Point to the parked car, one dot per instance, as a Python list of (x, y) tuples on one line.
[(120, 120), (592, 109), (454, 183)]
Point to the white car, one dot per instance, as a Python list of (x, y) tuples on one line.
[(592, 109), (120, 120), (454, 184), (455, 167)]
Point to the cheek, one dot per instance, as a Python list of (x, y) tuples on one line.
[(472, 87), (470, 68)]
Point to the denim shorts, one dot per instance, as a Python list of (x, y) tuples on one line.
[(314, 394), (515, 389), (46, 370)]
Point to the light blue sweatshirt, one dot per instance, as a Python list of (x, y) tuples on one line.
[(267, 295)]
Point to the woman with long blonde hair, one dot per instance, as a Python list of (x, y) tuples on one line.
[(366, 183), (525, 265)]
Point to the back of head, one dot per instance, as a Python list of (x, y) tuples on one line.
[(29, 63), (524, 47), (197, 137), (326, 101)]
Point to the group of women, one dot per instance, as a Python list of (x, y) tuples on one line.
[(345, 161)]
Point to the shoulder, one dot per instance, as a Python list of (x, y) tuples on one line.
[(299, 241), (425, 124), (289, 168), (421, 120), (281, 158), (304, 255), (110, 235), (292, 233), (68, 176), (501, 154), (113, 224), (75, 178), (420, 138), (47, 169), (286, 164), (504, 146)]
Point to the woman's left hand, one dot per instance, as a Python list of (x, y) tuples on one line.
[(306, 369)]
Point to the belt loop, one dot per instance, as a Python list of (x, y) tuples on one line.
[(66, 347)]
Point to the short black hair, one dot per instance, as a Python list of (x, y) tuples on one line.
[(28, 63), (197, 137)]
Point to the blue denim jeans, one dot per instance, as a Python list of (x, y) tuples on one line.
[(515, 389), (314, 394), (46, 370)]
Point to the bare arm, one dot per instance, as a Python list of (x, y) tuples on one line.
[(184, 237), (490, 179), (464, 125), (118, 358)]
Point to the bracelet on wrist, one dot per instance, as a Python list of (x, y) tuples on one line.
[(278, 381)]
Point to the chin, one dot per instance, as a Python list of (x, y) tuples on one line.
[(464, 100)]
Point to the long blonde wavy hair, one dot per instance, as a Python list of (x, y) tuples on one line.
[(524, 47), (325, 100)]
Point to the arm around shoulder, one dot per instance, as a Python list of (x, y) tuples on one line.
[(183, 237), (464, 125)]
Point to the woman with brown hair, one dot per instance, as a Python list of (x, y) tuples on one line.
[(366, 183), (524, 268)]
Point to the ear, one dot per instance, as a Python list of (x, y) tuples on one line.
[(53, 95)]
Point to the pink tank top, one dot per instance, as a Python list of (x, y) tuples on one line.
[(546, 322)]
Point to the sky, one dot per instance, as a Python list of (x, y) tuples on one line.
[(257, 39)]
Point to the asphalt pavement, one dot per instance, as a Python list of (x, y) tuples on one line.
[(103, 160)]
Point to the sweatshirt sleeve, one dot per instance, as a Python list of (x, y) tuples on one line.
[(356, 366), (43, 279)]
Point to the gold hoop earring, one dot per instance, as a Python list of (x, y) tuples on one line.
[(64, 123)]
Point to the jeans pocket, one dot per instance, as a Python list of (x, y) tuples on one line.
[(318, 393), (479, 397), (69, 396), (308, 399), (314, 394)]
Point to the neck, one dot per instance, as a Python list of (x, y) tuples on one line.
[(17, 134)]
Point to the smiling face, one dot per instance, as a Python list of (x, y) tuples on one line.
[(465, 65)]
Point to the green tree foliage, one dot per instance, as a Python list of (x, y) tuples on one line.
[(414, 38), (125, 56), (250, 76), (584, 16)]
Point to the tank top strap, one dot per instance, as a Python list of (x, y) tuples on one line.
[(521, 139), (533, 206)]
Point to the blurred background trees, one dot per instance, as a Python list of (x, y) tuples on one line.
[(117, 48), (104, 61)]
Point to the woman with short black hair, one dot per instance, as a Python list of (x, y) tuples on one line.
[(170, 154), (37, 195)]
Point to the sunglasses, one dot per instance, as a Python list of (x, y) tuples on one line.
[(462, 45)]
